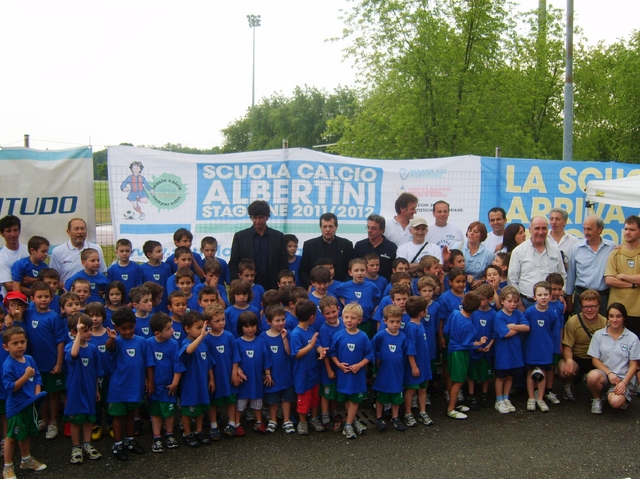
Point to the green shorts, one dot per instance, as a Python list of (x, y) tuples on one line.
[(53, 383), (224, 400), (161, 409), (390, 398), (328, 391), (24, 424), (81, 419), (422, 385), (458, 365), (556, 358), (480, 370), (368, 327), (354, 398), (194, 411), (119, 409)]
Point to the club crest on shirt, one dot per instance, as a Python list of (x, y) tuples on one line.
[(34, 273), (220, 349), (358, 294), (102, 348), (85, 362), (541, 322), (460, 307), (351, 346), (392, 348), (145, 331), (483, 322), (427, 317), (31, 379), (631, 263), (624, 347), (274, 349), (124, 277), (159, 355), (250, 353), (131, 352), (176, 334), (401, 325), (203, 354), (93, 286), (156, 277), (34, 324)]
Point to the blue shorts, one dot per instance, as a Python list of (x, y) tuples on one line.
[(286, 395)]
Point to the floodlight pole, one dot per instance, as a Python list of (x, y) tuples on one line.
[(254, 21), (567, 144)]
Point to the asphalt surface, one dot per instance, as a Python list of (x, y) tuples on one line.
[(567, 442)]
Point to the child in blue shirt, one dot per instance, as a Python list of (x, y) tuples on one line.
[(213, 271), (142, 304), (155, 269), (247, 272), (114, 300), (124, 270), (290, 297), (293, 258), (350, 352), (99, 338), (252, 372), (306, 354), (462, 338), (240, 295), (281, 391), (178, 308), (52, 278), (331, 420), (22, 381), (183, 238), (557, 291), (209, 249), (166, 377), (222, 347), (427, 287), (359, 291), (540, 344), (508, 361), (83, 370), (98, 282), (206, 297), (47, 335), (335, 284), (197, 380), (373, 267), (184, 282), (396, 278), (481, 359), (389, 350), (320, 278), (183, 258), (417, 367), (26, 271), (131, 376)]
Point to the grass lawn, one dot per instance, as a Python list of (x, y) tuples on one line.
[(103, 206)]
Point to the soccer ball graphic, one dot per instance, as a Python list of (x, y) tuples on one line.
[(129, 215)]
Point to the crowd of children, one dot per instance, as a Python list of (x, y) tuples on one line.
[(168, 339)]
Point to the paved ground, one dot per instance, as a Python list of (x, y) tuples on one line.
[(568, 442)]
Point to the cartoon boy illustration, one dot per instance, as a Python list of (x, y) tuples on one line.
[(136, 185)]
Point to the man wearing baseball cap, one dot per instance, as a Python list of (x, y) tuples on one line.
[(418, 247)]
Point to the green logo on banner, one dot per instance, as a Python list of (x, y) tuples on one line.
[(170, 191)]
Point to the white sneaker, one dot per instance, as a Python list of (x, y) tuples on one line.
[(510, 406), (456, 414), (52, 431), (531, 405), (542, 405), (568, 393), (501, 407), (552, 398), (596, 406)]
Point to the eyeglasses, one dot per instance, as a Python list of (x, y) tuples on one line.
[(590, 306)]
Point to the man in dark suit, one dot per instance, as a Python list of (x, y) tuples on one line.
[(264, 245), (328, 245)]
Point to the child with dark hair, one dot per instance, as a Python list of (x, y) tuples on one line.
[(240, 295)]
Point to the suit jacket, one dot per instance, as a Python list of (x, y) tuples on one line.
[(242, 247), (313, 250)]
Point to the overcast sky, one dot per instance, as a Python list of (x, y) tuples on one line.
[(78, 72)]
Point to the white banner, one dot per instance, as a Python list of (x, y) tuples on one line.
[(153, 192), (46, 189)]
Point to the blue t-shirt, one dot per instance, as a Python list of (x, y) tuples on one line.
[(351, 349), (294, 267), (460, 331), (508, 351), (174, 266), (380, 282), (281, 364), (83, 372), (192, 303), (324, 339), (222, 292), (24, 268), (379, 313), (194, 389), (449, 303), (143, 329), (171, 285), (224, 352), (306, 369), (366, 294), (12, 370), (97, 282), (483, 323), (178, 332), (100, 342), (158, 274), (557, 332), (431, 322), (539, 344), (131, 358), (418, 347), (231, 315), (130, 275), (44, 332), (258, 292), (166, 358), (254, 359), (4, 354), (390, 355)]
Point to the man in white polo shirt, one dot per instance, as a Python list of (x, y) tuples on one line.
[(10, 227), (65, 258)]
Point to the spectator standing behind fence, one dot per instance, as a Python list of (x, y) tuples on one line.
[(264, 245), (65, 258)]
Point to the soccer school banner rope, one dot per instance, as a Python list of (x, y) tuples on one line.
[(46, 189), (153, 192)]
